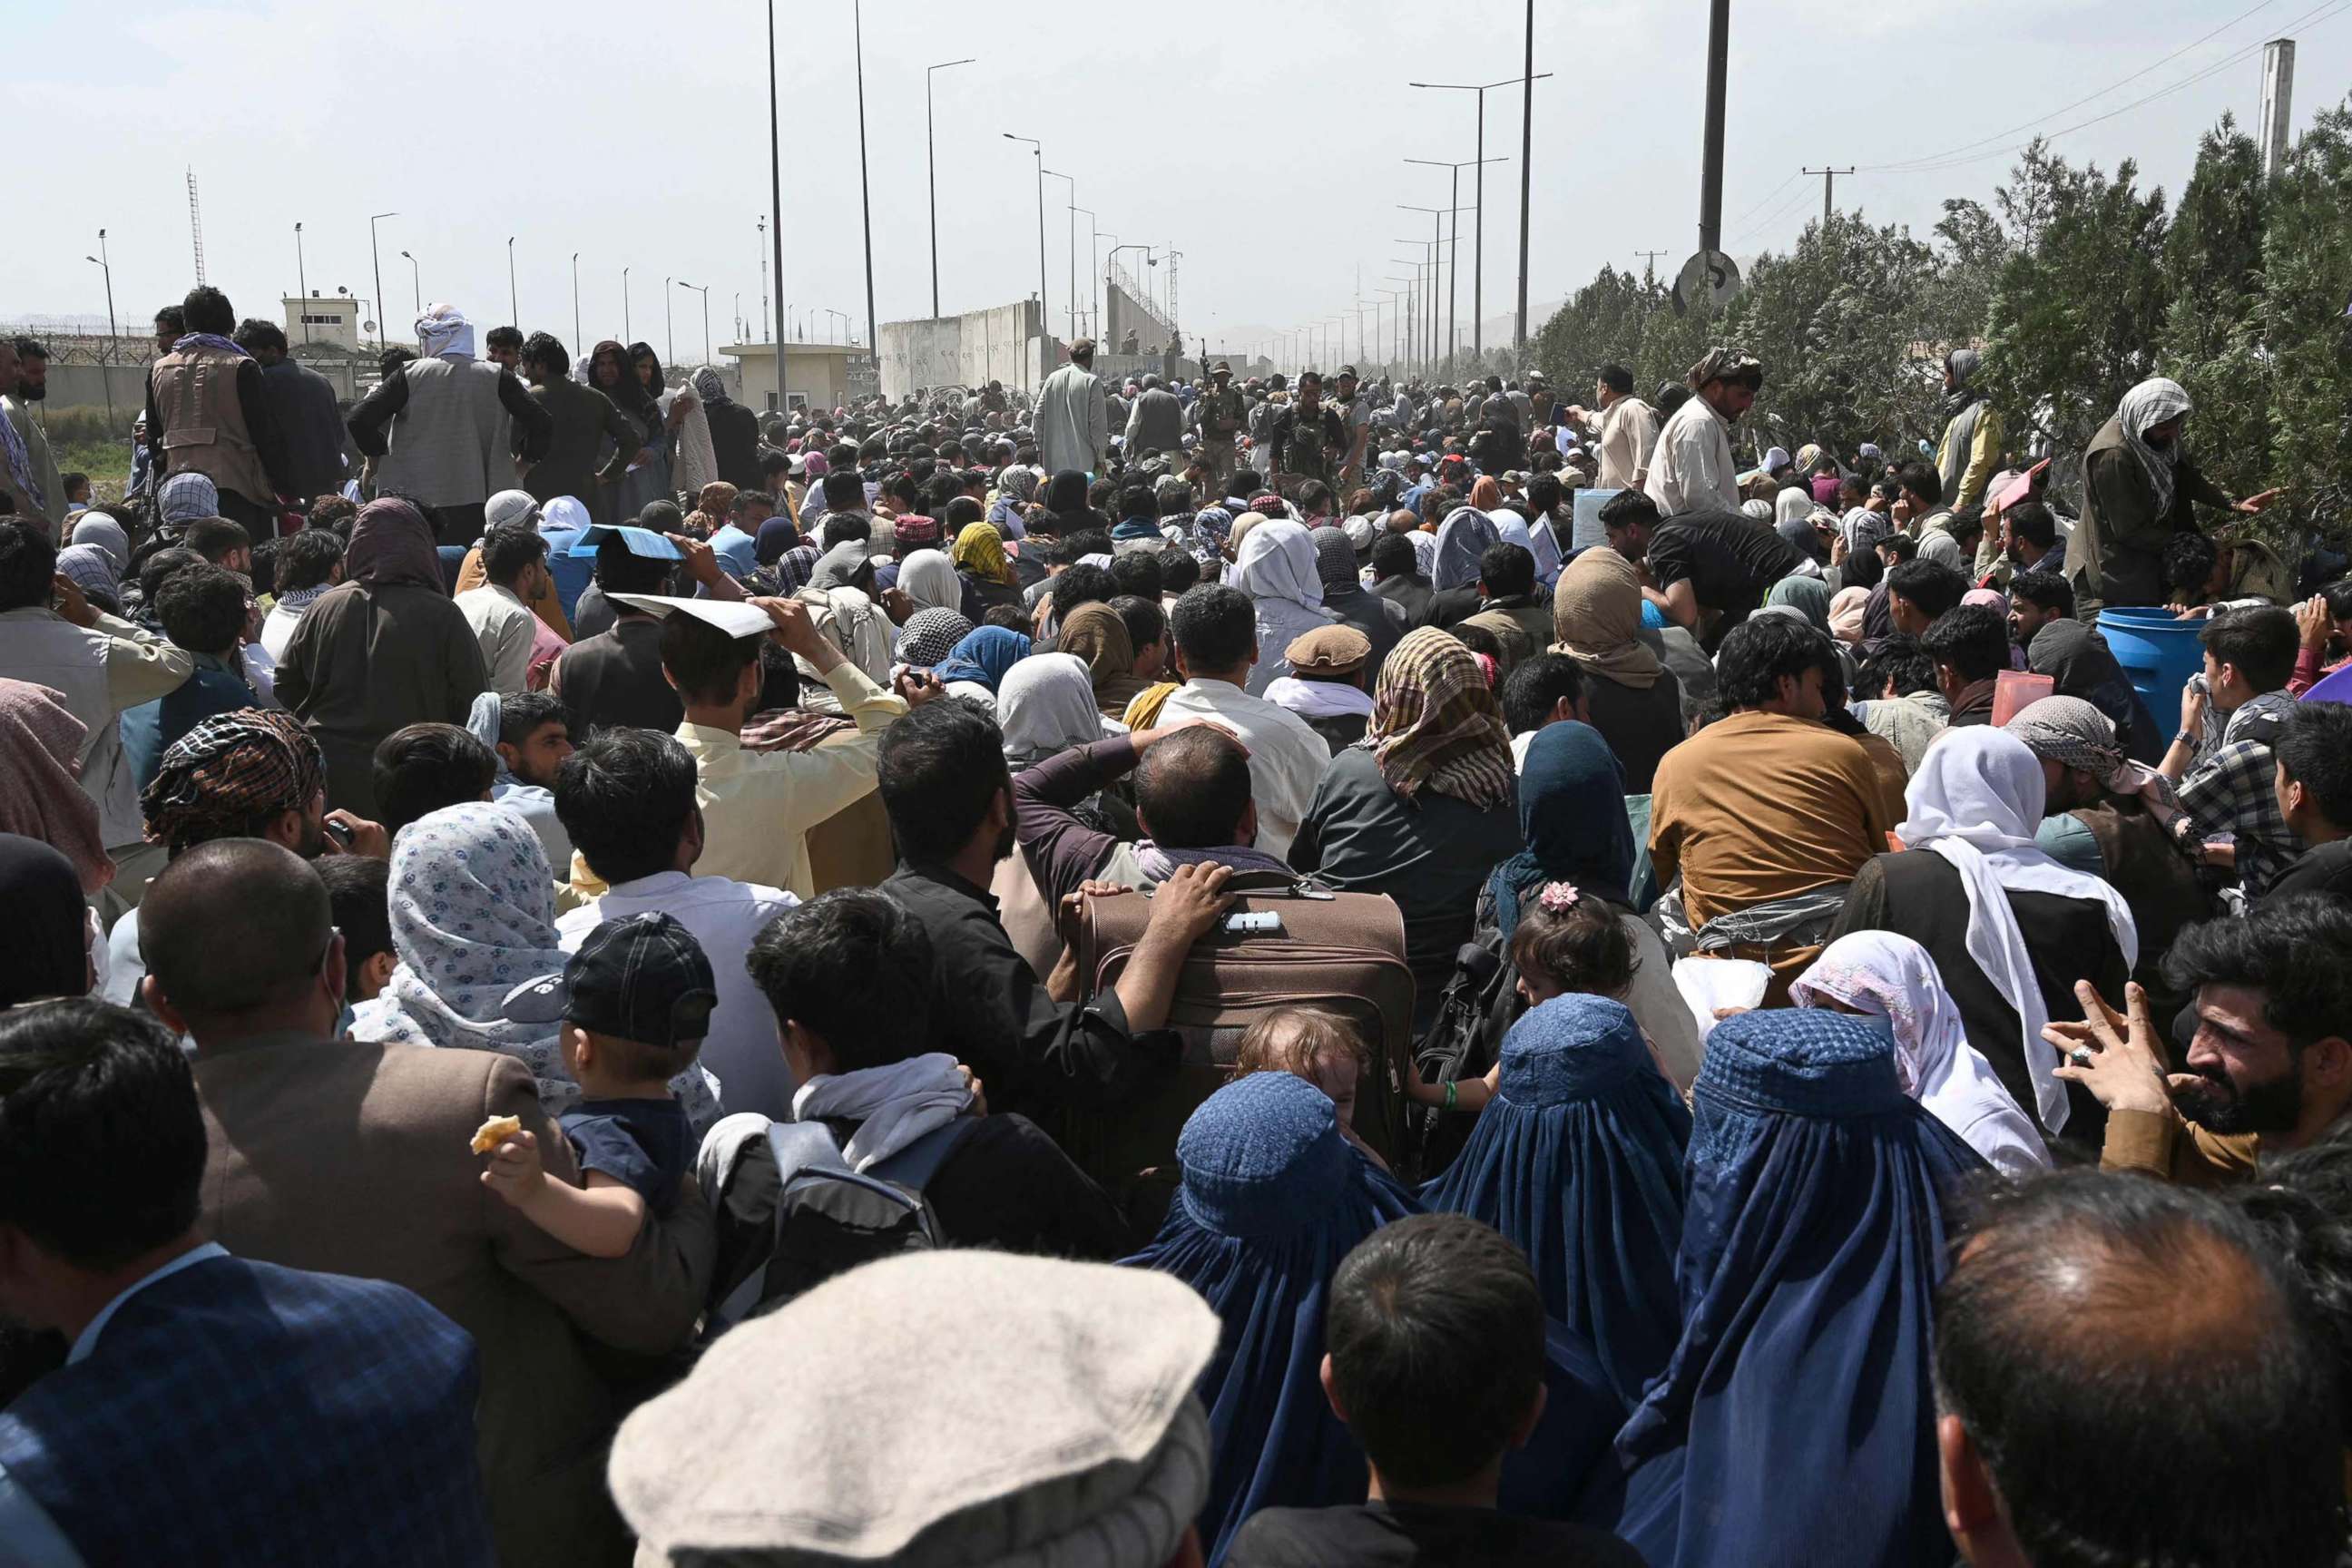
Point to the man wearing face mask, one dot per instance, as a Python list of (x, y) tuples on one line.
[(2137, 490)]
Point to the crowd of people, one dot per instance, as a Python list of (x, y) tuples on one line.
[(1167, 972)]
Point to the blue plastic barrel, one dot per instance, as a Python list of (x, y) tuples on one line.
[(2159, 652)]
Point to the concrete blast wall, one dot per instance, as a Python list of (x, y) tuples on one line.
[(970, 349)]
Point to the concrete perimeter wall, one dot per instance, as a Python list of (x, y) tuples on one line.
[(970, 349)]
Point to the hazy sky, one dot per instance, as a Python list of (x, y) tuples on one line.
[(1265, 142)]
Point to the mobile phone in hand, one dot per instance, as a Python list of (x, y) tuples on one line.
[(340, 832)]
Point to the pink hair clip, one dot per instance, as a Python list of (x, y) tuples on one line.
[(1559, 897)]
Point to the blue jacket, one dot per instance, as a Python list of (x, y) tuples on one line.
[(149, 729)]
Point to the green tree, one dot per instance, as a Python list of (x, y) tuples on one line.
[(2303, 327), (2080, 305), (2211, 341), (1602, 322)]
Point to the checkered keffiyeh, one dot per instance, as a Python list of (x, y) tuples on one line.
[(1435, 724), (929, 635), (229, 772)]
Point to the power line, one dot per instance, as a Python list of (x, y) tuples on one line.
[(1907, 163), (2316, 16)]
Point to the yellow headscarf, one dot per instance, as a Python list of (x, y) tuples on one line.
[(980, 550)]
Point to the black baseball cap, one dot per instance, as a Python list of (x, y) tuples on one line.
[(641, 978)]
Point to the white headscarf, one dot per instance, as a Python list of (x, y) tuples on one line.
[(1976, 800), (1536, 538), (1278, 562), (1893, 977), (1045, 704), (2151, 403), (928, 577), (443, 332), (1461, 539)]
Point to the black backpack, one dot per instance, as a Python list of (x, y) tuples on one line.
[(829, 1218), (1462, 1043)]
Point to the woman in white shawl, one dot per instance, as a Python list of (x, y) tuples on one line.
[(1881, 975), (694, 464), (1276, 570), (1461, 539), (928, 577), (1977, 802), (1045, 705), (473, 916)]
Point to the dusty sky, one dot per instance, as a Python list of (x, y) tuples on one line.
[(1266, 142)]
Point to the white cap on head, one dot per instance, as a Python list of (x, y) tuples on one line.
[(510, 506)]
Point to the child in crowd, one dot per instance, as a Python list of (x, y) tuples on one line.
[(634, 1003), (77, 487), (1567, 941), (1318, 1047)]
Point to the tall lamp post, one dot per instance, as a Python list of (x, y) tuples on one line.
[(775, 208), (1074, 211), (843, 317), (670, 327), (514, 302), (575, 304), (1478, 277), (415, 283), (1044, 338), (1453, 274), (931, 161), (1095, 274), (301, 281), (703, 289), (1070, 300), (1112, 259), (865, 201), (376, 256), (1436, 267), (105, 368), (625, 307)]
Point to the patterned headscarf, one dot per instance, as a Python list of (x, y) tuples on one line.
[(2149, 404), (186, 497), (230, 771), (473, 916), (1335, 558), (1435, 724), (442, 330), (929, 635), (392, 544), (980, 550), (710, 386), (1211, 526)]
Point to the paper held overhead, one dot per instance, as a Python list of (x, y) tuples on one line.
[(734, 617)]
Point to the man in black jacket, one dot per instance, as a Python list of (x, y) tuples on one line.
[(734, 431), (303, 403), (581, 416)]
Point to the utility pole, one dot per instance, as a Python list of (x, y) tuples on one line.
[(776, 207), (575, 304), (301, 279), (1829, 187), (514, 303), (1710, 179), (931, 165), (865, 201), (1526, 171), (1650, 264)]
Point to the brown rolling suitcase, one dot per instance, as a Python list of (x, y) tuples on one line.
[(1338, 953)]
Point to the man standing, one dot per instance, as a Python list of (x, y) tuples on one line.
[(207, 398), (1626, 431), (1221, 410), (1693, 469), (1073, 418), (303, 403), (1356, 416), (578, 417), (514, 572), (1971, 449), (1157, 422), (19, 390), (2139, 488), (2223, 763), (435, 425), (1308, 438)]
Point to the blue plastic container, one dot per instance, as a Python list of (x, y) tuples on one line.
[(2159, 652)]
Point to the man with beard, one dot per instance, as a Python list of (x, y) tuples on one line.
[(2270, 1068), (18, 392)]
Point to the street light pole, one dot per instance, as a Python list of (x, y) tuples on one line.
[(415, 283), (301, 281), (1070, 300), (1453, 273), (865, 198), (575, 303), (1479, 279), (514, 302), (1095, 277), (1044, 336), (930, 159), (106, 365), (376, 256), (776, 207), (1437, 263), (703, 289), (669, 326), (625, 306)]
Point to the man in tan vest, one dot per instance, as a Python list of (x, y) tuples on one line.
[(207, 398)]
